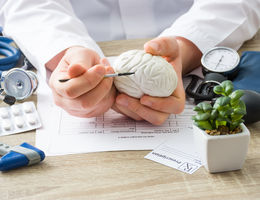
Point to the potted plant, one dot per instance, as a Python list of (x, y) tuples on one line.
[(220, 136)]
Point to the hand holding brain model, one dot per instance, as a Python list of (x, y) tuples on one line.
[(156, 89)]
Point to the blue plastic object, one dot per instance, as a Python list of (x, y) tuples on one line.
[(13, 160)]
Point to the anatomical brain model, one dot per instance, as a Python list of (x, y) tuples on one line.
[(153, 76)]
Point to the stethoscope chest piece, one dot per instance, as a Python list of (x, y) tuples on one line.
[(19, 83)]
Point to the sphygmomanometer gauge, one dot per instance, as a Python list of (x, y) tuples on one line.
[(221, 60)]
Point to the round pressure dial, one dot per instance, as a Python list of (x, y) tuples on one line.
[(220, 60), (19, 83)]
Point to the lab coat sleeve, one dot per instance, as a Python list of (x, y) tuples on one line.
[(212, 23), (43, 28)]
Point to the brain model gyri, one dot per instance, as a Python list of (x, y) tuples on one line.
[(153, 76)]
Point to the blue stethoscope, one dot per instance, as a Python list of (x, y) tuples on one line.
[(15, 83)]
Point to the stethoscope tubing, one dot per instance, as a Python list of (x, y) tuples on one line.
[(8, 63), (11, 54)]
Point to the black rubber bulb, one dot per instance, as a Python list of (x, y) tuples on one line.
[(252, 101)]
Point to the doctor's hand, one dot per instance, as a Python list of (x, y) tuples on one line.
[(156, 110), (87, 93)]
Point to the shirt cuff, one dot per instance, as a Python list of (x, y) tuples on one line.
[(191, 32)]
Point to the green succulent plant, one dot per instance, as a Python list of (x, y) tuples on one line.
[(228, 110)]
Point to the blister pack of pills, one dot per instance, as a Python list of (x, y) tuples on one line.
[(19, 118)]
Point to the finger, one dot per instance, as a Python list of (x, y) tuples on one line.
[(94, 96), (76, 58), (90, 99), (162, 46), (78, 107), (80, 114), (82, 56), (125, 111), (75, 70), (87, 100), (75, 87), (104, 61), (93, 112), (61, 72), (148, 114), (170, 105)]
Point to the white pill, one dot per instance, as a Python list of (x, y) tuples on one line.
[(19, 122), (27, 107), (4, 113), (7, 125), (15, 110), (32, 119)]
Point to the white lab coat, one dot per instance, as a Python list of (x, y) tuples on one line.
[(43, 28)]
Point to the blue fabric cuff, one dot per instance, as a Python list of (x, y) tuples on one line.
[(248, 77)]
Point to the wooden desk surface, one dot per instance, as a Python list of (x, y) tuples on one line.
[(126, 174)]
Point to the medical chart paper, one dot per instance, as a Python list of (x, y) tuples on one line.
[(64, 134)]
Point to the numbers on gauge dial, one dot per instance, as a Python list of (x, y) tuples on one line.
[(220, 59)]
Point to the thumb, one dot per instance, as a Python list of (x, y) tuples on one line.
[(76, 70), (79, 60), (162, 46)]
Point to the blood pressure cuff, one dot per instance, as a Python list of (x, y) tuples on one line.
[(248, 77)]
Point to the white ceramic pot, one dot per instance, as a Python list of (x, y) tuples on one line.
[(222, 152)]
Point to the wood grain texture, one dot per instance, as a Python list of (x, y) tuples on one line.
[(126, 174), (117, 47)]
